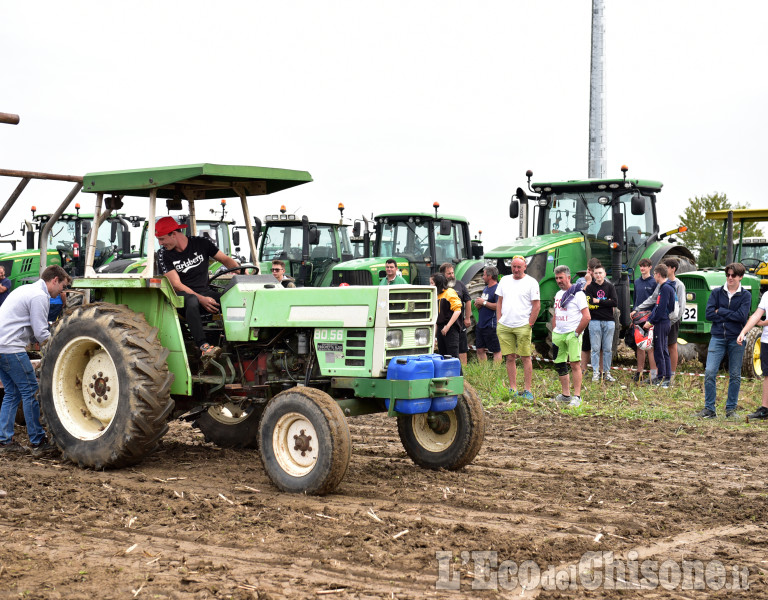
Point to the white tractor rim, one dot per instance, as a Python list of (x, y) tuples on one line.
[(295, 443), (229, 413), (86, 389), (431, 440)]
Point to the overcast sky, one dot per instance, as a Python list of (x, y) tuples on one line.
[(389, 105)]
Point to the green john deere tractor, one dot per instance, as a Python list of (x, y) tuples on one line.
[(420, 243), (694, 327), (611, 219), (309, 249), (295, 364)]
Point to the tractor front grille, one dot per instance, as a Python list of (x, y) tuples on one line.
[(406, 306), (352, 278)]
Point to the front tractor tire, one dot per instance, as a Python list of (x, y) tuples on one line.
[(305, 442), (448, 440), (105, 386)]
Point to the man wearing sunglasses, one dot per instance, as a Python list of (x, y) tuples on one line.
[(278, 272), (728, 311)]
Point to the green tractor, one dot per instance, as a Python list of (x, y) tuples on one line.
[(295, 364), (309, 249), (610, 219), (420, 243), (61, 238), (694, 328)]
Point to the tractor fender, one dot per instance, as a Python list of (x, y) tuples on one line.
[(472, 270), (678, 251)]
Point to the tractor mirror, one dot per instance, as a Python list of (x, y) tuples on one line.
[(113, 203), (86, 229), (477, 251), (314, 236), (236, 237), (445, 227), (112, 231), (638, 205), (514, 208), (173, 203), (356, 229)]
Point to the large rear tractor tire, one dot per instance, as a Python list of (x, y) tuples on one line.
[(105, 386), (750, 366), (448, 440), (231, 426), (304, 440)]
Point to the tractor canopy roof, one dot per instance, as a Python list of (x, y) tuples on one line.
[(423, 216), (577, 185), (739, 214), (199, 182)]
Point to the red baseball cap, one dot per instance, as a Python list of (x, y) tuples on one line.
[(166, 225)]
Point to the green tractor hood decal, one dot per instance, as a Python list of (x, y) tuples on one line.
[(541, 243)]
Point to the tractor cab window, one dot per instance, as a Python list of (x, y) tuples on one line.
[(404, 238), (451, 247), (582, 212), (326, 246), (62, 234), (638, 227), (217, 233), (282, 242)]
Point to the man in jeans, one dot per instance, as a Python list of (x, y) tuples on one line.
[(602, 299), (728, 311), (24, 318)]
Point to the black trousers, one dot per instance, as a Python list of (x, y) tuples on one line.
[(192, 312)]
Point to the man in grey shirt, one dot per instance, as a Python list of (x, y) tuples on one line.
[(674, 318), (24, 319)]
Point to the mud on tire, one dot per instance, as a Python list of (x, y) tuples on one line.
[(305, 442), (452, 440), (105, 386)]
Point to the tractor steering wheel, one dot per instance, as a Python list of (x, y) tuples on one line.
[(751, 263), (220, 285)]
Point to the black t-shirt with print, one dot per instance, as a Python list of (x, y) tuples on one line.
[(191, 264)]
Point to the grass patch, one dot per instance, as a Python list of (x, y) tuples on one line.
[(624, 399)]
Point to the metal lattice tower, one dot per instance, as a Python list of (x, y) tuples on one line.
[(597, 117)]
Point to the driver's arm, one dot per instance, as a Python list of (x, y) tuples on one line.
[(178, 286), (228, 262)]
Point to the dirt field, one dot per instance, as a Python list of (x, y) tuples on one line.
[(195, 521)]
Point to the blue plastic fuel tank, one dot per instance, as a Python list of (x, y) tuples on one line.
[(409, 368), (445, 366)]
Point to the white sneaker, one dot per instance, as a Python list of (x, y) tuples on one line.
[(596, 377), (575, 401), (562, 398), (610, 378)]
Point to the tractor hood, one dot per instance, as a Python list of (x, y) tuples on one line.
[(534, 245)]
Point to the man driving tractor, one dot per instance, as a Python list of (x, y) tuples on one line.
[(184, 261)]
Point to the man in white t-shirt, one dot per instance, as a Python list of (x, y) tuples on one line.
[(517, 309), (570, 320), (759, 319)]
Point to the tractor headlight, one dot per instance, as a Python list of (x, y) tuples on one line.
[(490, 262), (394, 338), (421, 336)]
